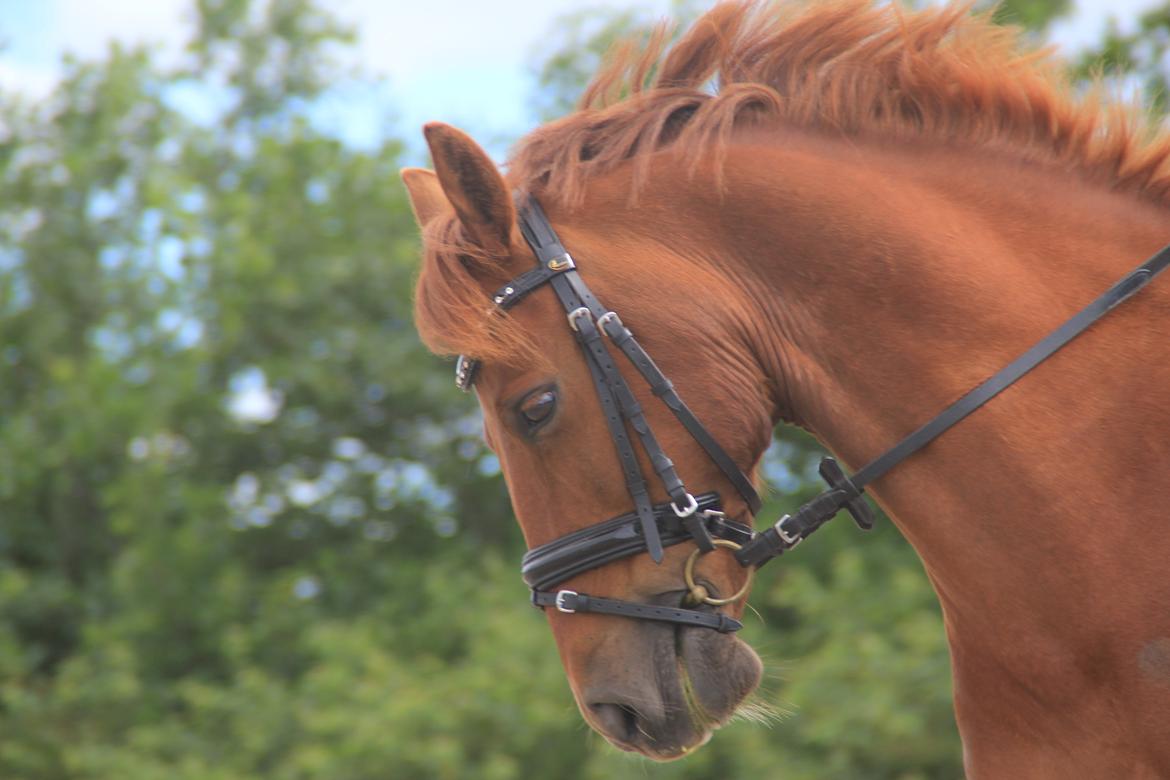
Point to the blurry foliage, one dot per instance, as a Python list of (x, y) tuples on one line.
[(1033, 15), (579, 43), (1135, 58), (575, 49), (247, 525)]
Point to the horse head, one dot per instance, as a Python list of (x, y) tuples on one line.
[(652, 686)]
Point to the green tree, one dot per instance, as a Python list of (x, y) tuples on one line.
[(247, 525), (1136, 58), (233, 481), (1033, 15), (580, 41)]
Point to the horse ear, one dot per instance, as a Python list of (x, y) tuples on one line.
[(473, 185), (426, 196)]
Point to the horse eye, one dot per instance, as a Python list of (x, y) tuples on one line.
[(537, 409)]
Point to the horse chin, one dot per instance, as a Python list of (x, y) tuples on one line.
[(718, 672), (696, 680)]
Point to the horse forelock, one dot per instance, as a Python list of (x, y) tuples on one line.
[(452, 311)]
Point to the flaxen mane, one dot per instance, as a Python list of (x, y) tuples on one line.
[(844, 67)]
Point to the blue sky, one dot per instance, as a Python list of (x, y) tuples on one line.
[(459, 61)]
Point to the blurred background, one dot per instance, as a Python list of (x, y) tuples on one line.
[(248, 528)]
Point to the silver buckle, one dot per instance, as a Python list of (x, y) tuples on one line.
[(574, 314), (688, 510), (465, 372), (605, 318), (559, 602), (786, 537)]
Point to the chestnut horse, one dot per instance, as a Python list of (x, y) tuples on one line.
[(870, 213)]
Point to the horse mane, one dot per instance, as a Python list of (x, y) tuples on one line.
[(849, 68), (843, 67)]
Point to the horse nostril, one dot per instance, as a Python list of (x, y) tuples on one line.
[(619, 721)]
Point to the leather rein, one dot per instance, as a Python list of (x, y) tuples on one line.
[(685, 518)]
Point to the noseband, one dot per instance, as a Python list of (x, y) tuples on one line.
[(688, 518)]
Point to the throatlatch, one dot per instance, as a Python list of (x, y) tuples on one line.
[(652, 527)]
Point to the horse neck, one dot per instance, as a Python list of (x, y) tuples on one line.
[(893, 283)]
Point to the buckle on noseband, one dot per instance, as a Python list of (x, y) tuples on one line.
[(698, 594), (688, 510), (560, 601), (694, 523)]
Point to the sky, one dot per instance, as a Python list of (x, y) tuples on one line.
[(465, 62)]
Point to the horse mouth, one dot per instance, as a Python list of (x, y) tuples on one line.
[(676, 686)]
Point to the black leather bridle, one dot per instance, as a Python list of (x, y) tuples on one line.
[(686, 517)]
